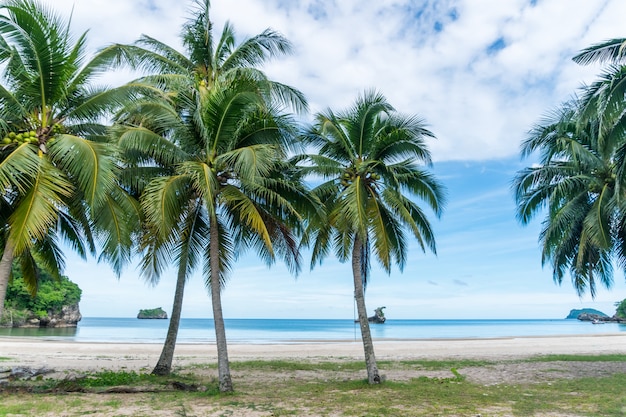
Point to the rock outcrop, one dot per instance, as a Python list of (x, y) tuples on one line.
[(378, 317), (69, 316), (596, 318)]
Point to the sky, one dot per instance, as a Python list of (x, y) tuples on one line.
[(479, 72)]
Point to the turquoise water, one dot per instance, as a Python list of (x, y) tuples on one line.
[(132, 330)]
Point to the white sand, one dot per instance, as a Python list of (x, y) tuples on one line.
[(61, 356)]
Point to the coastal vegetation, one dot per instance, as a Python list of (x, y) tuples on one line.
[(51, 297), (583, 386)]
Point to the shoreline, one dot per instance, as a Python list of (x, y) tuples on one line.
[(65, 356)]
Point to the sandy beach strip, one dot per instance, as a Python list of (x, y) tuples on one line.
[(80, 356)]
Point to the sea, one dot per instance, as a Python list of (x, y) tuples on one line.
[(268, 331)]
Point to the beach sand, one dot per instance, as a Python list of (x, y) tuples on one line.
[(63, 356)]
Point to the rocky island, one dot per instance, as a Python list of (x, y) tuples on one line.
[(153, 313)]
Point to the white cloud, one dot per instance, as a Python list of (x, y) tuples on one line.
[(436, 59)]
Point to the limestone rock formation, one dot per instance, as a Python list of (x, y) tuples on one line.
[(596, 318), (378, 317), (69, 316)]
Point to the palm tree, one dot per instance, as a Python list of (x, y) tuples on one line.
[(205, 63), (581, 177), (369, 157), (577, 184), (57, 172)]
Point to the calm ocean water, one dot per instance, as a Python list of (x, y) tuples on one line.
[(132, 330)]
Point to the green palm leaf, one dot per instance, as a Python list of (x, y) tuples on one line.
[(92, 165), (19, 167), (163, 200), (36, 211)]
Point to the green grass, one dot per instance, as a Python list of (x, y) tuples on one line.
[(578, 358), (110, 379), (348, 366), (327, 388), (434, 365)]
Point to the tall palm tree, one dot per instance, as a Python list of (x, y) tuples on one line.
[(577, 184), (371, 159), (227, 189), (57, 173), (206, 62)]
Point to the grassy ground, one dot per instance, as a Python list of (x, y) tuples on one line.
[(553, 386)]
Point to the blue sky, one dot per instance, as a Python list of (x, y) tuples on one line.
[(480, 72)]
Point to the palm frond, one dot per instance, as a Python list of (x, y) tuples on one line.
[(611, 50), (91, 165), (36, 212), (117, 222), (163, 201), (247, 214), (19, 167), (257, 50)]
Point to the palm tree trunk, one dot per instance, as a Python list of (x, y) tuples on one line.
[(164, 364), (225, 382), (368, 345), (5, 272)]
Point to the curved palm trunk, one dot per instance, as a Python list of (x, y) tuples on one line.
[(225, 382), (5, 272), (368, 346), (164, 364)]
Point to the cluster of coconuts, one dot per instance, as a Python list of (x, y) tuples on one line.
[(20, 137), (347, 177)]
